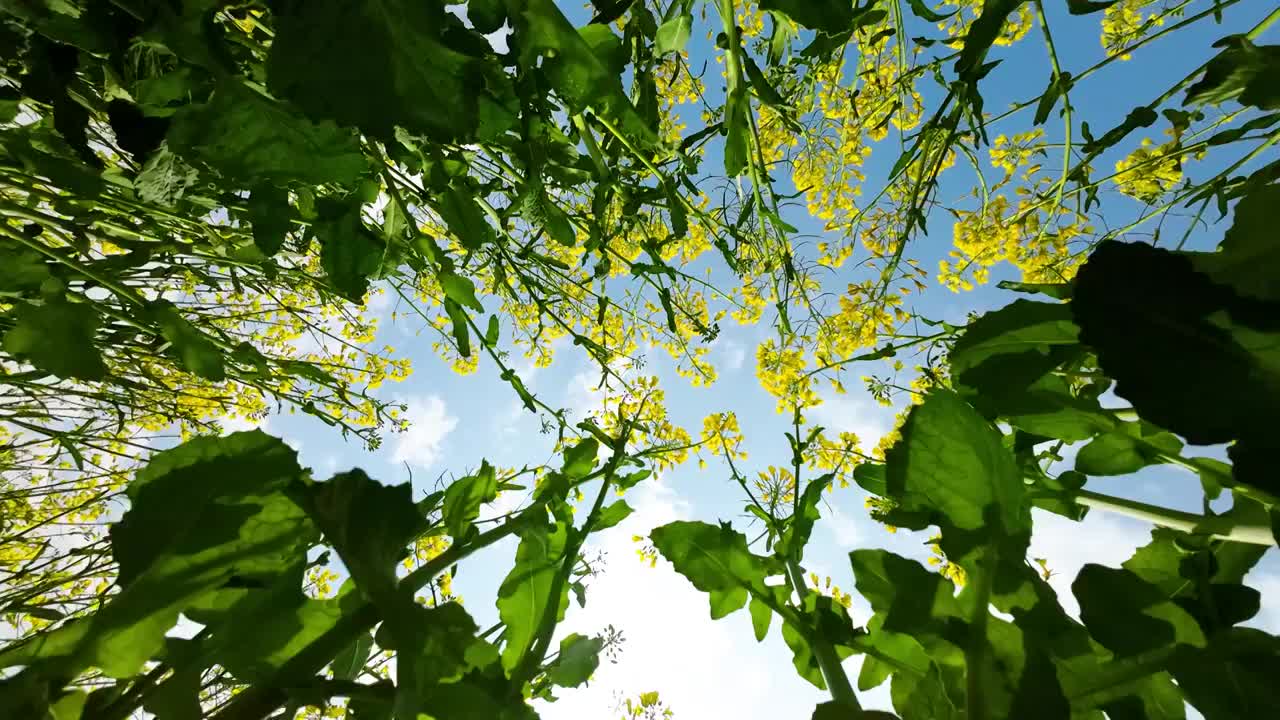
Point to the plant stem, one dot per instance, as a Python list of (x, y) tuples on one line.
[(823, 651), (1219, 527)]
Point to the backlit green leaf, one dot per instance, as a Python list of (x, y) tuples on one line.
[(463, 498), (378, 64), (250, 138), (57, 337)]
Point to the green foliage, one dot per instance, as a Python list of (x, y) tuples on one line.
[(395, 67), (246, 137), (53, 336)]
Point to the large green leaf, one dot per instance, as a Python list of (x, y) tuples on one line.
[(1176, 343), (1244, 71), (578, 659), (463, 498), (524, 595), (1129, 615), (256, 631), (350, 252), (57, 337), (716, 560), (910, 599), (1234, 677), (369, 524), (952, 463), (1002, 353), (1249, 259), (193, 349), (575, 70), (202, 514), (379, 64), (829, 16), (1127, 449), (250, 138)]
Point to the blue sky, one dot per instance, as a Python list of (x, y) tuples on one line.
[(716, 669)]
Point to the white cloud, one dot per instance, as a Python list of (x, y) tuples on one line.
[(733, 354), (429, 422), (854, 412)]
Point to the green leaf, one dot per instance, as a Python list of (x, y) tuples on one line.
[(348, 663), (829, 16), (1129, 615), (257, 631), (926, 698), (951, 462), (437, 646), (69, 706), (1127, 449), (612, 515), (1048, 409), (178, 697), (491, 332), (193, 348), (1243, 71), (800, 526), (921, 10), (270, 216), (369, 524), (350, 253), (911, 600), (525, 593), (463, 498), (736, 145), (1190, 355), (1248, 259), (249, 138), (579, 657), (575, 70), (57, 337), (378, 64), (486, 15), (459, 289), (580, 459), (201, 514), (1084, 7), (164, 178), (21, 269), (1234, 677), (462, 214), (716, 560), (761, 616), (673, 34), (871, 477), (461, 335), (1003, 352)]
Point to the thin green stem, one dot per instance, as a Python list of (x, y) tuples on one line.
[(1221, 527)]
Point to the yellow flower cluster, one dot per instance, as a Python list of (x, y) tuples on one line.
[(1149, 172), (721, 436), (781, 371), (834, 591), (1017, 234), (776, 485), (946, 568), (1124, 24), (1011, 154), (646, 552), (646, 706), (838, 457), (966, 11)]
